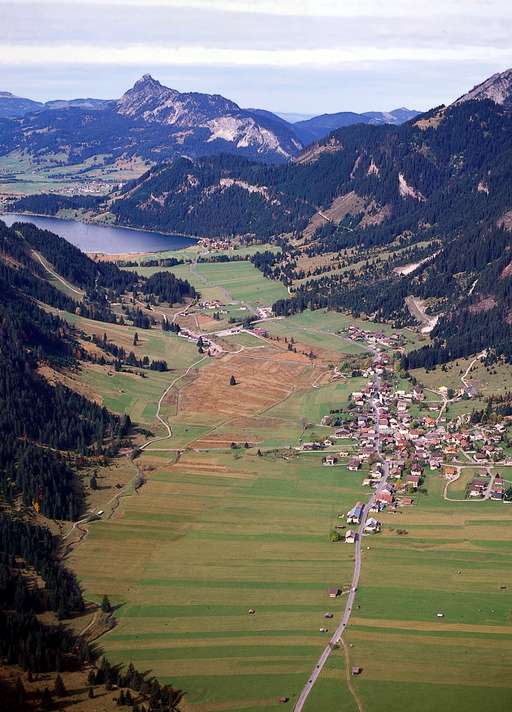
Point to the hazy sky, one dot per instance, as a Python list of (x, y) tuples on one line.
[(309, 56)]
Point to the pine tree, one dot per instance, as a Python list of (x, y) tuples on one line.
[(60, 688), (105, 605), (46, 700), (21, 694), (232, 381)]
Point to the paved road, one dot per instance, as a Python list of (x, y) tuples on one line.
[(355, 579)]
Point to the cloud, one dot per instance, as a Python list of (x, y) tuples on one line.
[(312, 8), (315, 58)]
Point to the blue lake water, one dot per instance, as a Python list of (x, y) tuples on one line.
[(103, 238)]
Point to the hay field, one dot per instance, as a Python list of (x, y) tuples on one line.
[(207, 411), (318, 329), (454, 560), (208, 538), (216, 531)]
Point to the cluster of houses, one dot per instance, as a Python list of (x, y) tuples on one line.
[(373, 338), (213, 304), (411, 439), (486, 485), (355, 516), (211, 244), (412, 442)]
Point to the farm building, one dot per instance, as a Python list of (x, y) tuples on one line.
[(372, 526), (385, 496), (477, 487), (350, 537), (354, 464), (329, 460), (355, 515), (412, 481), (333, 592)]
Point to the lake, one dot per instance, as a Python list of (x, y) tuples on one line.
[(103, 238)]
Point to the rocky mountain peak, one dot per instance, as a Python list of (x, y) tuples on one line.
[(145, 94), (146, 82), (497, 88)]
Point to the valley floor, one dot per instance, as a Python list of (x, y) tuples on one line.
[(218, 531)]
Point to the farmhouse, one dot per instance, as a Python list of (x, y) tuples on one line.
[(356, 513), (386, 497), (412, 481), (354, 464), (372, 526), (498, 488), (330, 460), (477, 487), (350, 537), (333, 592)]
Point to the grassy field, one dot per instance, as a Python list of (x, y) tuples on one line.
[(488, 380), (193, 251), (320, 328), (21, 175), (209, 538), (227, 281), (454, 560)]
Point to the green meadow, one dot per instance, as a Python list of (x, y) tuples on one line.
[(215, 533), (209, 538), (454, 560), (227, 281)]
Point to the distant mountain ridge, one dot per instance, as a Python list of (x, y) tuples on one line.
[(150, 121), (318, 127), (155, 123), (12, 106)]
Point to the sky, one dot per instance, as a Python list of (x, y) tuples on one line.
[(304, 56)]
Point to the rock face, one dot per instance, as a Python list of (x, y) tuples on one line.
[(151, 101), (210, 117), (497, 88)]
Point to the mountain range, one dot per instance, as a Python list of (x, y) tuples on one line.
[(434, 192), (155, 122)]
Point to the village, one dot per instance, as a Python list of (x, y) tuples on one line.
[(400, 429)]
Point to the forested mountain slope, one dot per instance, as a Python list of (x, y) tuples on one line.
[(374, 180), (51, 439)]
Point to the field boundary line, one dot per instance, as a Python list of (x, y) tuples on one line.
[(350, 686)]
